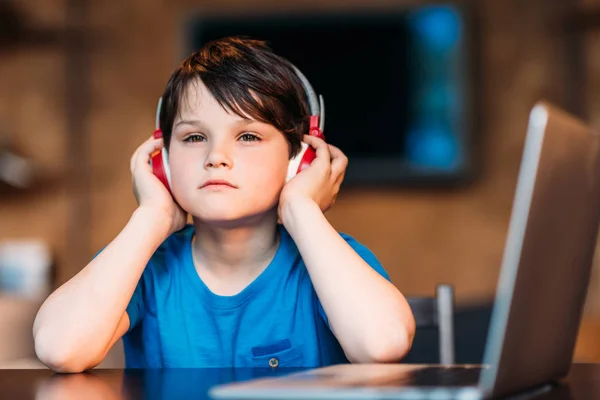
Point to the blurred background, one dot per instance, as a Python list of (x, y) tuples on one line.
[(429, 100)]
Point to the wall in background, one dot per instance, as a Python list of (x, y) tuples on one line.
[(421, 236)]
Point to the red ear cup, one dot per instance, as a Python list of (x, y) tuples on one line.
[(309, 155), (314, 129), (158, 166)]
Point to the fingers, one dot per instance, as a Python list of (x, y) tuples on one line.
[(339, 162), (141, 157), (335, 152), (338, 165), (321, 148), (336, 160)]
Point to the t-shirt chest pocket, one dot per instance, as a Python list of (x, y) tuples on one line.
[(278, 354)]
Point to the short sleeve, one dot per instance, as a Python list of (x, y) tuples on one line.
[(367, 255), (135, 309)]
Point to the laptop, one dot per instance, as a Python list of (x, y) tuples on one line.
[(540, 295)]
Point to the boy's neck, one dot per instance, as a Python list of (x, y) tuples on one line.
[(229, 258)]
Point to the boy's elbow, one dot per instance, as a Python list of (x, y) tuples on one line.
[(59, 359), (63, 364), (391, 346), (391, 350)]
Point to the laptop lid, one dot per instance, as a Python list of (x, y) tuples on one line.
[(548, 255)]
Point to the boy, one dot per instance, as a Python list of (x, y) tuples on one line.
[(235, 288)]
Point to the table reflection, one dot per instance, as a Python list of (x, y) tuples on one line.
[(182, 384), (147, 383)]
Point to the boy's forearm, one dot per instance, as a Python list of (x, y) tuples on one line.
[(79, 319), (368, 315)]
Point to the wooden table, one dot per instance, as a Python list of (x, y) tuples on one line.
[(583, 383)]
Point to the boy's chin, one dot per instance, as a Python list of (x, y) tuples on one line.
[(226, 218)]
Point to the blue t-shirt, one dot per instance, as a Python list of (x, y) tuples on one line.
[(276, 321)]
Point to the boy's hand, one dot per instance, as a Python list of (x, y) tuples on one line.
[(321, 181), (149, 191)]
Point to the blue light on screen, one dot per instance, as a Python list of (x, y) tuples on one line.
[(438, 27), (433, 148), (433, 141), (439, 97)]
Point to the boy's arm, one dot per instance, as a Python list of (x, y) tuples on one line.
[(79, 322), (368, 315)]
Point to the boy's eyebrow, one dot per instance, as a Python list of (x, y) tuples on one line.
[(199, 123), (194, 122)]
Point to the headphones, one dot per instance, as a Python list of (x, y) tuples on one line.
[(160, 159)]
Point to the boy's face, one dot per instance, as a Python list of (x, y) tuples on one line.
[(208, 143)]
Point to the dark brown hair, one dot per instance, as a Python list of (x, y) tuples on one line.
[(247, 78)]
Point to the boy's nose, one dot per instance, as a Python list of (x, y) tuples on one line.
[(218, 157)]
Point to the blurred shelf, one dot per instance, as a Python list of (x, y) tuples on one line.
[(16, 32)]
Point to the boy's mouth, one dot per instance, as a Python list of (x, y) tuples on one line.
[(217, 183)]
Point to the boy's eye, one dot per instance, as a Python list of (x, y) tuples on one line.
[(249, 137), (194, 138)]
